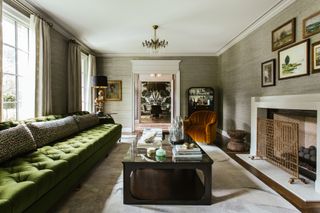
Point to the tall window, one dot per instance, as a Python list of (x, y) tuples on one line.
[(85, 81), (16, 73)]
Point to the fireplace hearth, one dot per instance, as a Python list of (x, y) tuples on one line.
[(307, 106)]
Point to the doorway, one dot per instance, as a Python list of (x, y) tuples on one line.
[(156, 93)]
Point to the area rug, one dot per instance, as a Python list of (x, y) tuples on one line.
[(234, 190)]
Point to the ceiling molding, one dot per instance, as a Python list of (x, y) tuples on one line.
[(275, 10), (154, 56), (57, 26)]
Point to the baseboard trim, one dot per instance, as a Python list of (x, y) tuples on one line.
[(128, 129), (223, 133)]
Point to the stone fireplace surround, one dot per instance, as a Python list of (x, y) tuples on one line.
[(259, 106)]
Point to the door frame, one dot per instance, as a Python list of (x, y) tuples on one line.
[(159, 67)]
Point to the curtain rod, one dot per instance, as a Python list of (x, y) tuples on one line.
[(83, 49), (29, 11)]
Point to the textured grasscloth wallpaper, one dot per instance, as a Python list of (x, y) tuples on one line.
[(195, 71), (235, 74), (59, 50), (239, 73)]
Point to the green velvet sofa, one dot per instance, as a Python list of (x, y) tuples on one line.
[(36, 180)]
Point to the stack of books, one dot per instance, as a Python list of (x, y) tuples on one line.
[(149, 137), (181, 153)]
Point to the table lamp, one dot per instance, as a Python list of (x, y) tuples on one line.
[(99, 82)]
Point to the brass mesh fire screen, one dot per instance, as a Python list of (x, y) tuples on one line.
[(278, 143)]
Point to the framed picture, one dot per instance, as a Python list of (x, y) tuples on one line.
[(284, 35), (316, 57), (311, 25), (293, 61), (114, 90), (268, 72)]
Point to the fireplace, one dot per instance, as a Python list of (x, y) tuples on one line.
[(287, 138), (307, 136), (301, 109)]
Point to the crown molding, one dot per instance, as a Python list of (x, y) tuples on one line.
[(57, 26), (181, 54), (272, 12)]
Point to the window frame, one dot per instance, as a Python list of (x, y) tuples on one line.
[(19, 19)]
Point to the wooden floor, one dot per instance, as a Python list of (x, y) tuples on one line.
[(293, 199), (151, 119), (140, 126)]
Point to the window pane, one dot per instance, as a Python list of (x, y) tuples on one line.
[(9, 111), (23, 40), (8, 59), (18, 80), (9, 87), (84, 80), (23, 65), (9, 97), (8, 31)]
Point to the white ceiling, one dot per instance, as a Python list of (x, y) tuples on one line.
[(192, 27)]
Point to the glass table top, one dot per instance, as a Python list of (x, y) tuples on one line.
[(138, 154)]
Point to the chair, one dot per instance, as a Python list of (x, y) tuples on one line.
[(201, 126)]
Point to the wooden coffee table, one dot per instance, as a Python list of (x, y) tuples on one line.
[(147, 181)]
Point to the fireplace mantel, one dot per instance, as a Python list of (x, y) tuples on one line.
[(294, 102)]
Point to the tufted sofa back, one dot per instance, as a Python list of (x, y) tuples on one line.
[(8, 124)]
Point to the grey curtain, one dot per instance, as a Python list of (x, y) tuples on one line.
[(42, 62), (1, 74), (74, 77)]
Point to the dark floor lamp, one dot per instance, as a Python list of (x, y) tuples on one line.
[(99, 82)]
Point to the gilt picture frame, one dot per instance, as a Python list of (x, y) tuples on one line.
[(311, 25), (316, 57), (284, 35), (268, 72), (114, 90), (293, 61)]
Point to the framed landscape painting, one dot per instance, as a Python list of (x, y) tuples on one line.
[(311, 25), (293, 61), (284, 35), (316, 57), (268, 71), (114, 90)]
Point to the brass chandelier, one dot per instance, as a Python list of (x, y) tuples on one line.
[(155, 44)]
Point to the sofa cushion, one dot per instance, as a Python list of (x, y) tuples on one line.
[(15, 141), (28, 178), (50, 131), (86, 121)]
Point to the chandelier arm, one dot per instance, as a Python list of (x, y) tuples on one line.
[(155, 43)]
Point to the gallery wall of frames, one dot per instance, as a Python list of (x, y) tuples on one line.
[(296, 56)]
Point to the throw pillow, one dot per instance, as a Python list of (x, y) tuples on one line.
[(49, 131), (86, 121), (15, 141)]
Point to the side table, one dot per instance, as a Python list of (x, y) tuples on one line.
[(236, 142), (106, 119)]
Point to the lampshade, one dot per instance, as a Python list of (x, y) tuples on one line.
[(99, 81)]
